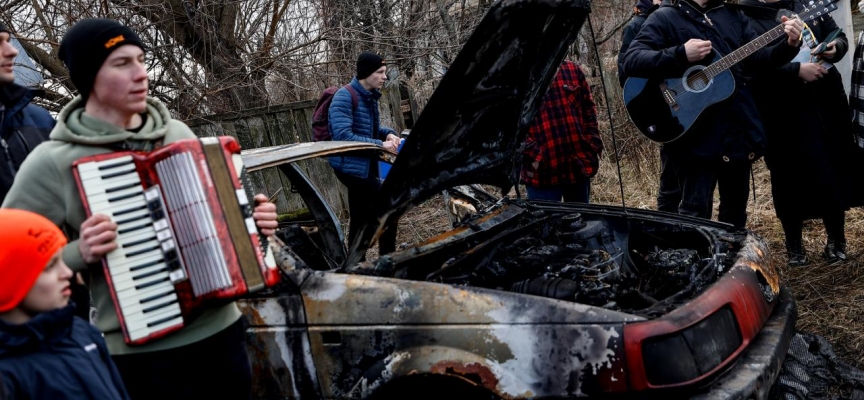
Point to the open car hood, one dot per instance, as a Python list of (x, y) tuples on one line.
[(473, 127)]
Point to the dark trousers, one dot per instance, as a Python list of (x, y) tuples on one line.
[(698, 181), (669, 192), (361, 193), (833, 220), (214, 368), (577, 192)]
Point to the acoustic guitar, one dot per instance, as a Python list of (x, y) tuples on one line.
[(665, 109)]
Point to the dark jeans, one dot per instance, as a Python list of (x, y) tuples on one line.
[(669, 192), (577, 192), (214, 368), (698, 181), (361, 193)]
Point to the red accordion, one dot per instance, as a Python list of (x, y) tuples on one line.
[(185, 232)]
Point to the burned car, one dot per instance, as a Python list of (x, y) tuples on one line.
[(520, 299)]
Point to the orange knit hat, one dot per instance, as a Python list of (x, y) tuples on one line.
[(27, 242)]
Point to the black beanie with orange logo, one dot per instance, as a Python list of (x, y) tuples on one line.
[(88, 43)]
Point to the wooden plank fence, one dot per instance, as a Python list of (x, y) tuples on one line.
[(273, 126)]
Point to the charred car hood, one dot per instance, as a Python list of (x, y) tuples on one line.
[(473, 127)]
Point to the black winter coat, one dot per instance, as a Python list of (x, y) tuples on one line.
[(633, 27), (57, 356), (22, 127), (730, 129), (810, 144)]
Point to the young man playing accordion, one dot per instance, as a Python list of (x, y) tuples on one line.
[(205, 359)]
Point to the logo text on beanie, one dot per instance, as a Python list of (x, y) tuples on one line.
[(113, 41), (44, 244)]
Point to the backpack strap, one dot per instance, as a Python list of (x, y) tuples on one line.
[(353, 96)]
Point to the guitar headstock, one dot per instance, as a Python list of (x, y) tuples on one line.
[(814, 9)]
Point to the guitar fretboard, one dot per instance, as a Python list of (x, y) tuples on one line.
[(819, 9)]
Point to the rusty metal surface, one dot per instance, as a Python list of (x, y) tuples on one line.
[(367, 330)]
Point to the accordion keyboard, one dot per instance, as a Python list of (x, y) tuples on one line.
[(145, 263)]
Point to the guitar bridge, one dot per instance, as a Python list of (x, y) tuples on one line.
[(669, 95)]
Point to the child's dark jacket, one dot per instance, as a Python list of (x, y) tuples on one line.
[(57, 356)]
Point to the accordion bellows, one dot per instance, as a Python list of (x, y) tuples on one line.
[(185, 233)]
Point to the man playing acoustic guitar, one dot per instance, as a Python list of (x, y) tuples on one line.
[(728, 137)]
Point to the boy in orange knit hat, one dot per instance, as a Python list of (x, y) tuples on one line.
[(45, 351)]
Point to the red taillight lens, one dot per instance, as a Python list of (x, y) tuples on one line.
[(693, 352)]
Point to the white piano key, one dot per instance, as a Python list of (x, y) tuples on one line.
[(120, 260), (127, 279), (106, 197), (140, 284), (133, 309), (95, 187), (135, 236), (111, 206), (144, 332), (124, 297), (137, 321), (135, 263)]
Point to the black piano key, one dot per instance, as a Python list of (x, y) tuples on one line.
[(157, 215), (129, 210), (133, 229), (156, 296), (149, 274), (146, 265), (116, 174), (158, 307), (124, 197), (148, 284), (128, 220), (166, 319), (142, 251), (116, 164), (142, 241), (119, 188)]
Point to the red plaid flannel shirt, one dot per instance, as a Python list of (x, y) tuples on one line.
[(563, 139)]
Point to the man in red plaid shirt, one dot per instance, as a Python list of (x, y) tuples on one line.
[(563, 145)]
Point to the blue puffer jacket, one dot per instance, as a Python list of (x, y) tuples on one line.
[(731, 129), (57, 356), (360, 125), (22, 127)]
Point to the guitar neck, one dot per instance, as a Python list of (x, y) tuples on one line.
[(734, 57)]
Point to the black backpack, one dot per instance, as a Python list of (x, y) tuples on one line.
[(321, 113)]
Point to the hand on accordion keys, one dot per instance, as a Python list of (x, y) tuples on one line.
[(98, 233)]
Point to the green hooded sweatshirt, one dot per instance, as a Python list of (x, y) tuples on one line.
[(45, 185)]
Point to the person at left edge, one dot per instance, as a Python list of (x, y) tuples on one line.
[(46, 352), (207, 358)]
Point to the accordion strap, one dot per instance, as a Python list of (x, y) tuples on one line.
[(136, 145)]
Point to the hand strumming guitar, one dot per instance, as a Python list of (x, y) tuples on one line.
[(697, 49)]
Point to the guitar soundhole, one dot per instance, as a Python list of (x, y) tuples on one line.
[(695, 79)]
